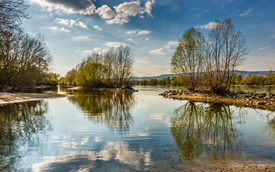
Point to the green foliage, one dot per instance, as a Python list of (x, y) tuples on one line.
[(152, 82), (112, 69), (174, 80), (168, 80), (268, 79), (188, 58), (52, 79)]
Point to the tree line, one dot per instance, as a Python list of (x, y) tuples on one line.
[(237, 79), (209, 64), (24, 59), (112, 69)]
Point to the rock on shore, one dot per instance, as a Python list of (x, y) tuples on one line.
[(237, 98)]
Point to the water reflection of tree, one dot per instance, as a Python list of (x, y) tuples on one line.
[(270, 124), (110, 108), (20, 126), (206, 129)]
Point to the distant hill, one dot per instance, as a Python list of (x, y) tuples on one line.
[(245, 73)]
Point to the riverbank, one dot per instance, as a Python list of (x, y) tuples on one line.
[(8, 98), (239, 98), (104, 89)]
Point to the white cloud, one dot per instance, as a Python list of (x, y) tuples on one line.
[(148, 7), (97, 49), (81, 38), (273, 36), (209, 26), (171, 43), (246, 12), (87, 51), (146, 39), (105, 12), (83, 7), (127, 9), (117, 21), (80, 24), (53, 28), (71, 23), (143, 32), (160, 51), (118, 15), (263, 48), (64, 30), (138, 32), (59, 29), (97, 28), (207, 10), (132, 31), (115, 44), (130, 39)]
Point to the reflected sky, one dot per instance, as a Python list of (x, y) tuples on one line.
[(132, 132)]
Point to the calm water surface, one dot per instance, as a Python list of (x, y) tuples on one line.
[(140, 131)]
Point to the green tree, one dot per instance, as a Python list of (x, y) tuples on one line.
[(168, 80), (188, 59), (174, 80)]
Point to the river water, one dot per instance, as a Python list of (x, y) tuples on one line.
[(106, 131)]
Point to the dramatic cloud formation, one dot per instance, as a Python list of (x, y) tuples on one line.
[(263, 48), (209, 26), (118, 15), (246, 12), (115, 44), (160, 51), (68, 22), (84, 7)]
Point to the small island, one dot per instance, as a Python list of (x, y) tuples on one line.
[(240, 99)]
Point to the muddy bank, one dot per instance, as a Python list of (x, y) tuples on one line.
[(130, 90), (239, 98), (8, 98)]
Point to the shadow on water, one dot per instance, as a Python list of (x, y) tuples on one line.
[(20, 128), (208, 129), (107, 108)]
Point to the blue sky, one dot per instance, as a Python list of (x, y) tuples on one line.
[(73, 29)]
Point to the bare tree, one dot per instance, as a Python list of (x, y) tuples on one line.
[(226, 50), (123, 65), (11, 14), (22, 59), (188, 58)]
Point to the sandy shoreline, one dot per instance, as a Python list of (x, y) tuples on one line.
[(8, 98)]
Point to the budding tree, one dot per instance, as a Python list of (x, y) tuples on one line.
[(188, 59)]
